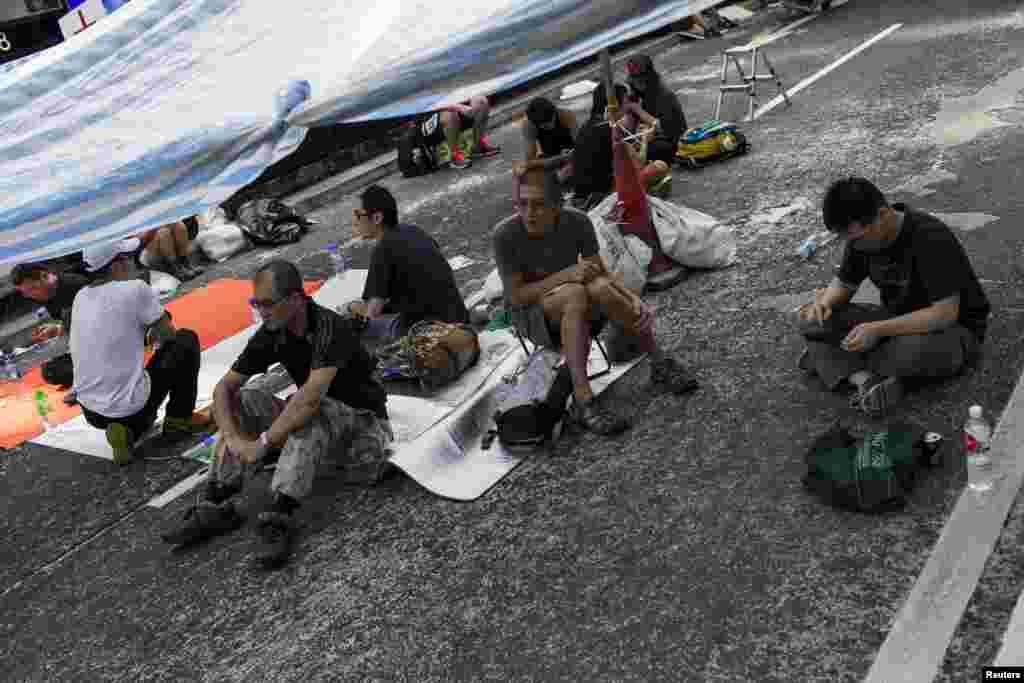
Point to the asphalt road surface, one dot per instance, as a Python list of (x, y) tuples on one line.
[(685, 550)]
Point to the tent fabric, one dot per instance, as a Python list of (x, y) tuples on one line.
[(168, 107)]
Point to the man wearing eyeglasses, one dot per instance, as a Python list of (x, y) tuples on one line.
[(409, 279), (111, 318), (339, 410), (557, 287), (934, 312)]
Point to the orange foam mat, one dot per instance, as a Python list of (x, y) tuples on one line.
[(215, 312)]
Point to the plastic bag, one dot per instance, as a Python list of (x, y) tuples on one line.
[(223, 241), (692, 238), (627, 256)]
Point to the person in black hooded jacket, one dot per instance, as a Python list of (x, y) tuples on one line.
[(657, 100)]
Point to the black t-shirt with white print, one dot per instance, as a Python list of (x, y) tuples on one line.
[(924, 265)]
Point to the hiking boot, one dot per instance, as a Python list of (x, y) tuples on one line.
[(459, 160), (670, 373), (598, 419), (202, 521), (877, 395), (277, 531), (196, 423), (122, 441)]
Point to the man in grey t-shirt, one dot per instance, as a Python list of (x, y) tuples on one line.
[(556, 286)]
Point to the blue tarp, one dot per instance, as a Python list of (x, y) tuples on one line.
[(168, 107)]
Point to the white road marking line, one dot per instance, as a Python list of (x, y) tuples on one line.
[(179, 489), (1012, 652), (810, 80), (921, 632)]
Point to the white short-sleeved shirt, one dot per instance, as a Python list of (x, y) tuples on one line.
[(108, 336)]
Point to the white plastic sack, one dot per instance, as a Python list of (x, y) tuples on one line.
[(164, 284), (627, 256), (692, 238), (211, 218), (222, 241)]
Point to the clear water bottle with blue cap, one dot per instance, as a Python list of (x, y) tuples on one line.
[(8, 368), (338, 259)]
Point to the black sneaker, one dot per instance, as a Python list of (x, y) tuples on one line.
[(598, 419), (669, 373), (204, 520), (276, 534)]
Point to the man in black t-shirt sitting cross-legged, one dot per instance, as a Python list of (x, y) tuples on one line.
[(409, 280), (338, 411), (934, 312)]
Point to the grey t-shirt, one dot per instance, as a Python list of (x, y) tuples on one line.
[(536, 259)]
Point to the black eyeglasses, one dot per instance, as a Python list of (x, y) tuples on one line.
[(264, 305)]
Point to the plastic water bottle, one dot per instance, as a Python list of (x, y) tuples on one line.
[(809, 247), (44, 409), (977, 440), (8, 370), (338, 260), (203, 451)]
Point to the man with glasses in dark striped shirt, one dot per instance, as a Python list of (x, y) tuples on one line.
[(338, 410)]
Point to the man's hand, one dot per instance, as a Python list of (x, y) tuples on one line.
[(358, 309), (587, 271), (861, 339), (46, 331), (816, 311), (519, 168), (249, 452)]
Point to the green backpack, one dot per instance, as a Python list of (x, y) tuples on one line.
[(875, 474)]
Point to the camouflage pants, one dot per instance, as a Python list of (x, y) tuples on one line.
[(357, 440)]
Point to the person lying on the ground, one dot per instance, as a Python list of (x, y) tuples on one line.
[(169, 249), (56, 291), (592, 159), (409, 280), (934, 312), (549, 135), (447, 126), (656, 99), (556, 287), (111, 319), (339, 411)]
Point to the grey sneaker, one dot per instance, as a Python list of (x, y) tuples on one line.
[(670, 373), (877, 395), (598, 419), (202, 521), (277, 531)]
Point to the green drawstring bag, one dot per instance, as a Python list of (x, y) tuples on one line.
[(874, 474)]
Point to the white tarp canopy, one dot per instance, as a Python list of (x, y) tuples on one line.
[(168, 107)]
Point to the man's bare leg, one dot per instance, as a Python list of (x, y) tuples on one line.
[(481, 113), (569, 308)]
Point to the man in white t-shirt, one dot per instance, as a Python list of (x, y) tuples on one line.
[(111, 319)]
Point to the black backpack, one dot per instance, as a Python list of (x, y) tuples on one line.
[(873, 474), (415, 156), (270, 222), (529, 426)]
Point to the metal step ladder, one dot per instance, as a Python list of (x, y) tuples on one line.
[(748, 81)]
